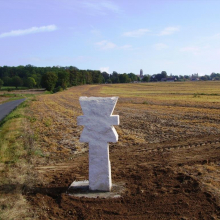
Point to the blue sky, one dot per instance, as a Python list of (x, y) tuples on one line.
[(181, 37)]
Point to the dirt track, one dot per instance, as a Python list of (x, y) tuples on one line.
[(167, 158)]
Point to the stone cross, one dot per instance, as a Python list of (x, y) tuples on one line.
[(98, 130)]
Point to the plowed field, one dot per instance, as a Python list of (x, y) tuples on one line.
[(167, 156)]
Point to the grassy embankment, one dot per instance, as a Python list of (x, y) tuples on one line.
[(17, 156)]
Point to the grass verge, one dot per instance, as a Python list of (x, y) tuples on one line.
[(10, 88), (18, 155)]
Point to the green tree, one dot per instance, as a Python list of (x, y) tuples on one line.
[(109, 81), (37, 78), (49, 80), (7, 81), (63, 79), (73, 77), (97, 76), (105, 76), (114, 77), (146, 78), (1, 83), (133, 77), (17, 81), (123, 78), (30, 82), (163, 74)]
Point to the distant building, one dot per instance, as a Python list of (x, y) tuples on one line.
[(141, 76), (141, 73), (195, 77)]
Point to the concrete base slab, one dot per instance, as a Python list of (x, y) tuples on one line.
[(81, 189)]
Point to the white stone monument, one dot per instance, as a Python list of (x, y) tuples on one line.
[(98, 130)]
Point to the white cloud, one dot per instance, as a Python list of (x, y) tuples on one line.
[(104, 69), (126, 47), (32, 30), (95, 32), (194, 50), (214, 37), (169, 31), (101, 6), (160, 46), (106, 45), (110, 6), (136, 33)]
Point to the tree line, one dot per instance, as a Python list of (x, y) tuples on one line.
[(58, 78), (163, 75)]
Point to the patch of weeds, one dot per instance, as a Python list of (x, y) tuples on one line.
[(58, 89), (47, 122), (145, 103), (31, 119), (34, 99), (38, 152), (208, 94), (23, 105), (48, 92), (10, 117), (15, 116), (196, 95)]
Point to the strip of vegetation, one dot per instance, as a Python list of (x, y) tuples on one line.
[(57, 78), (11, 88), (206, 94), (18, 154)]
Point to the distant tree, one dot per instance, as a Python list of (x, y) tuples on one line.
[(17, 81), (146, 78), (74, 77), (37, 78), (97, 76), (49, 80), (115, 77), (176, 77), (163, 74), (215, 76), (105, 76), (123, 78), (109, 81), (186, 76), (153, 78), (87, 77), (30, 82), (1, 83), (133, 77), (73, 68), (63, 79), (7, 81)]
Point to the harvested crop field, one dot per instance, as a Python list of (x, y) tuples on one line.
[(167, 156)]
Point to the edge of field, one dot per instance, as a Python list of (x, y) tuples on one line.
[(18, 154)]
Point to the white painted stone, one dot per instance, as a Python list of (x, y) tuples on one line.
[(98, 130)]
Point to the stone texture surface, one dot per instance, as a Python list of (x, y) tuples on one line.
[(98, 130)]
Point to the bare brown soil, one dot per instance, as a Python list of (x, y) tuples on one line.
[(167, 157)]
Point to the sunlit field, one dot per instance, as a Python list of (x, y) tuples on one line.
[(167, 155), (190, 92)]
